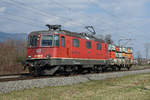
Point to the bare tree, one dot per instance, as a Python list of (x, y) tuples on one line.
[(139, 57), (147, 47), (12, 53)]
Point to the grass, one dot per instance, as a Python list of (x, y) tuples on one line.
[(135, 87), (140, 67)]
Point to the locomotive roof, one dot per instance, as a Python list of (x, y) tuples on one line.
[(68, 33)]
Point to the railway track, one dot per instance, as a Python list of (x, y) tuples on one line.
[(26, 76), (28, 82), (13, 75)]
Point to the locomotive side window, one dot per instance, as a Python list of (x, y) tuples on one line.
[(56, 40), (47, 40), (75, 43), (63, 41), (32, 40), (88, 44), (99, 46)]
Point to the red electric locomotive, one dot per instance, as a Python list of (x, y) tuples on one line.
[(60, 51)]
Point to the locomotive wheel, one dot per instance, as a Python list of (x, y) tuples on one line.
[(114, 68), (119, 68), (97, 69), (128, 67), (34, 72), (100, 69), (31, 70), (104, 69)]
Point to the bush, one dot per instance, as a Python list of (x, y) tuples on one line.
[(12, 53)]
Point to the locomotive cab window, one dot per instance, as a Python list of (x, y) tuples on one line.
[(99, 47), (63, 41), (75, 43), (56, 40), (50, 40), (88, 44), (33, 40)]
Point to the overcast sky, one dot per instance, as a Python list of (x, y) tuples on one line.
[(120, 18)]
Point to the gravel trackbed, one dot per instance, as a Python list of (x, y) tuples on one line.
[(6, 87)]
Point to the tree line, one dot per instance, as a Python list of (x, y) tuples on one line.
[(12, 53)]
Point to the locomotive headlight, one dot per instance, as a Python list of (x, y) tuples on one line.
[(48, 56), (29, 56)]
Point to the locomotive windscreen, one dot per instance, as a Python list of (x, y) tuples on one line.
[(32, 41), (47, 40), (50, 40)]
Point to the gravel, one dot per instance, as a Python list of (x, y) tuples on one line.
[(6, 87)]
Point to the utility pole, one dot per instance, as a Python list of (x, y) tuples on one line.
[(128, 40), (119, 41), (139, 57), (147, 50)]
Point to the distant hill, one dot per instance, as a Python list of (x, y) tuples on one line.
[(12, 36)]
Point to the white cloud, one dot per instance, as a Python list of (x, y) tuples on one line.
[(52, 20), (2, 9), (76, 14), (80, 15), (120, 18), (124, 7)]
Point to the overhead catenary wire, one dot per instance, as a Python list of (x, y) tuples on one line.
[(116, 18), (70, 9), (31, 10), (20, 22), (107, 12), (23, 17), (91, 21), (60, 5), (23, 6), (41, 12), (36, 10)]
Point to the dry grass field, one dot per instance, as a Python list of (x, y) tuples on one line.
[(136, 87)]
